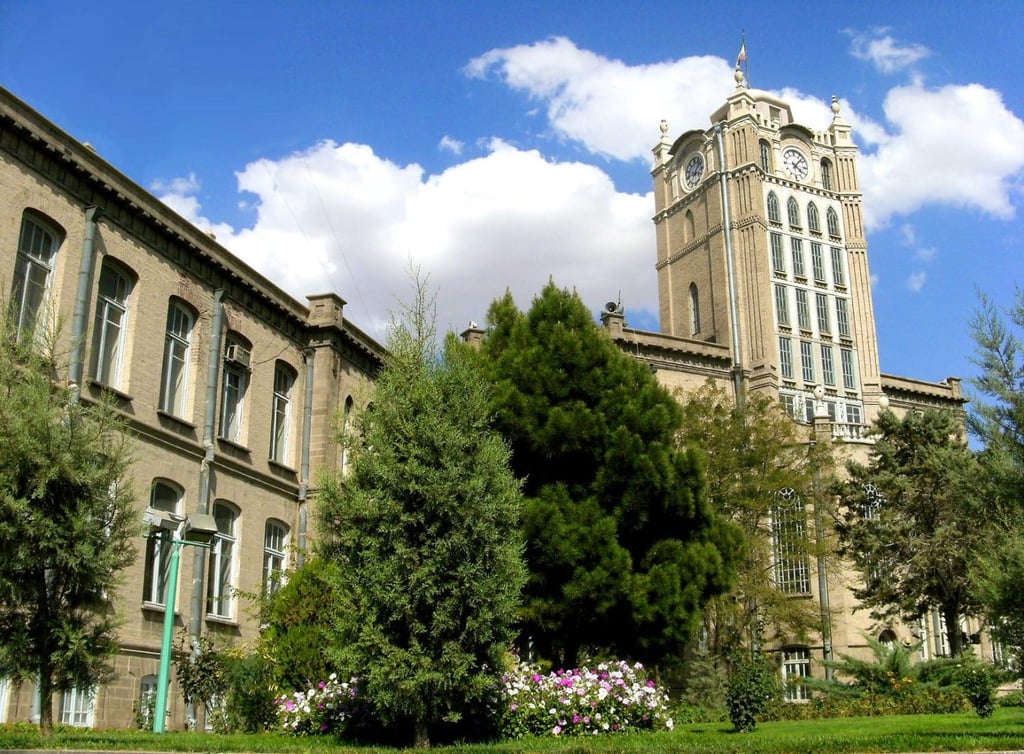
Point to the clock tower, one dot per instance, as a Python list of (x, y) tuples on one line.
[(761, 249)]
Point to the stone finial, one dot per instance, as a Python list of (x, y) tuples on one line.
[(664, 127), (738, 76), (835, 106)]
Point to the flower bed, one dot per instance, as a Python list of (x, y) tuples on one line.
[(322, 709)]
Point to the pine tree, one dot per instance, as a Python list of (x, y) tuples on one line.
[(623, 549), (425, 533), (66, 526)]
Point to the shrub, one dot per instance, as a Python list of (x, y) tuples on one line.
[(978, 682), (324, 708), (752, 690), (615, 697), (250, 705)]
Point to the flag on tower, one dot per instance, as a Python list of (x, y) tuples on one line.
[(742, 57)]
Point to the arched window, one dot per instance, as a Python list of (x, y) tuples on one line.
[(765, 150), (774, 214), (789, 543), (219, 588), (281, 412), (793, 210), (108, 337), (164, 496), (826, 174), (177, 347), (275, 555), (813, 219), (33, 267), (833, 223), (694, 309), (237, 358)]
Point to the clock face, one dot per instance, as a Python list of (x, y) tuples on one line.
[(694, 170), (795, 163)]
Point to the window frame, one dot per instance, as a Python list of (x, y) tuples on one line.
[(793, 213), (174, 376), (78, 707), (234, 389), (281, 413), (828, 364), (778, 257), (796, 247), (813, 218), (790, 563), (803, 310), (155, 578), (223, 563), (107, 367), (694, 309), (796, 663), (823, 312), (275, 555), (848, 365), (832, 219), (786, 358), (807, 367), (34, 269), (774, 210)]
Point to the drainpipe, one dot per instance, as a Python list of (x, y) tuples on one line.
[(307, 429), (823, 598), (737, 353), (92, 214), (203, 504)]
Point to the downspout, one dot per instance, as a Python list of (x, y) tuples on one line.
[(76, 368), (307, 429), (819, 523), (737, 352), (203, 504)]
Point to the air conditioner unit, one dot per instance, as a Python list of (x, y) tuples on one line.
[(238, 355)]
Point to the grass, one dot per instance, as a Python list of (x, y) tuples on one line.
[(910, 733)]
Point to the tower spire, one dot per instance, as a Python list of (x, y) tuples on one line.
[(742, 74)]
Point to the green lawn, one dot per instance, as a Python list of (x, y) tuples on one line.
[(911, 733)]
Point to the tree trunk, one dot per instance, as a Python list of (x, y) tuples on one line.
[(420, 735), (45, 691), (954, 639)]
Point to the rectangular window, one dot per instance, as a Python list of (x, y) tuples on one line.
[(177, 346), (838, 273), (786, 358), (77, 706), (843, 317), (781, 305), (37, 247), (853, 414), (788, 403), (236, 382), (796, 665), (803, 310), (163, 497), (110, 326), (849, 369), (818, 262), (219, 591), (789, 544), (797, 246), (778, 261), (828, 367), (280, 415), (824, 325), (807, 361), (275, 542)]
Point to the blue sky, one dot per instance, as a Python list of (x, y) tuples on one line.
[(498, 144)]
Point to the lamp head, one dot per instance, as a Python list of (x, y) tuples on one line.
[(199, 528)]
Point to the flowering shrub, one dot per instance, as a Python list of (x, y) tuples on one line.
[(321, 709), (613, 698)]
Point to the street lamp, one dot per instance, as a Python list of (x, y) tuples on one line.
[(195, 529)]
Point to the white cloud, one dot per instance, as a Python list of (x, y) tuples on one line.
[(610, 107), (916, 281), (884, 52), (926, 253), (449, 144), (339, 217), (925, 158)]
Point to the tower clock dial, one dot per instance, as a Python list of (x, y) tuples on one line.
[(694, 171), (794, 163)]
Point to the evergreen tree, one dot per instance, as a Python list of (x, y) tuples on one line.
[(915, 519), (424, 533), (66, 526), (622, 547), (753, 453)]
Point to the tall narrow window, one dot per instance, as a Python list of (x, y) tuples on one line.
[(789, 543), (765, 151), (690, 228), (37, 250), (694, 309), (813, 218), (778, 262), (275, 543), (796, 665), (177, 346), (818, 263), (781, 305), (77, 707), (826, 175), (803, 310), (824, 325), (166, 497), (235, 385), (108, 335), (280, 414), (828, 367), (774, 214), (786, 358), (797, 247), (346, 439), (849, 369), (838, 273), (793, 210), (833, 223), (219, 590), (807, 361), (842, 318), (147, 701)]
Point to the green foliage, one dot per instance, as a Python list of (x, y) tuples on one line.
[(67, 523), (623, 548), (249, 706), (892, 672), (424, 535), (926, 700), (753, 689), (978, 682), (752, 453), (917, 541), (203, 677)]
